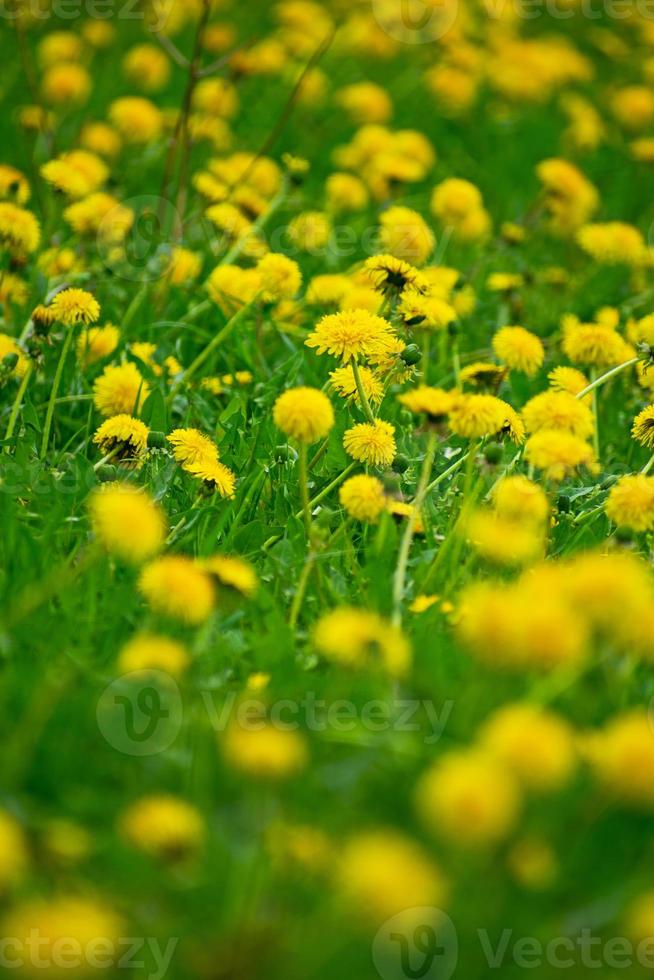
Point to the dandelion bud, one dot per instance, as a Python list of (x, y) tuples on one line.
[(411, 354), (493, 454)]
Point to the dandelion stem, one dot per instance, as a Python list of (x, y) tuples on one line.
[(304, 488), (363, 398), (407, 538), (106, 459), (648, 465), (18, 401), (54, 390), (448, 472), (298, 598), (597, 382), (456, 362), (593, 394)]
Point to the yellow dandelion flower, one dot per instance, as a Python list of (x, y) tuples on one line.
[(371, 443), (483, 375), (184, 266), (517, 498), (66, 83), (120, 389), (405, 234), (101, 215), (192, 446), (401, 511), (304, 414), (264, 751), (14, 186), (381, 873), (630, 502), (425, 312), (643, 427), (475, 416), (558, 453), (343, 381), (567, 379), (9, 348), (519, 349), (503, 540), (469, 798), (147, 66), (280, 277), (71, 306), (614, 243), (536, 744), (595, 344), (77, 173), (163, 826), (389, 274), (352, 334), (435, 403), (177, 586), (310, 231), (504, 282), (363, 497), (215, 475), (127, 522), (149, 651), (20, 232), (558, 410), (97, 343), (624, 758), (59, 923), (232, 573), (124, 437), (360, 638), (137, 120)]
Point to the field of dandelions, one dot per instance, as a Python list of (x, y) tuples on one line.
[(326, 489)]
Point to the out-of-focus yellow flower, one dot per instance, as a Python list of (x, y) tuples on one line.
[(165, 827), (177, 586), (381, 873), (361, 638), (536, 744), (149, 651), (470, 798), (127, 522)]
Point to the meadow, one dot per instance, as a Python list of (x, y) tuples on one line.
[(326, 489)]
